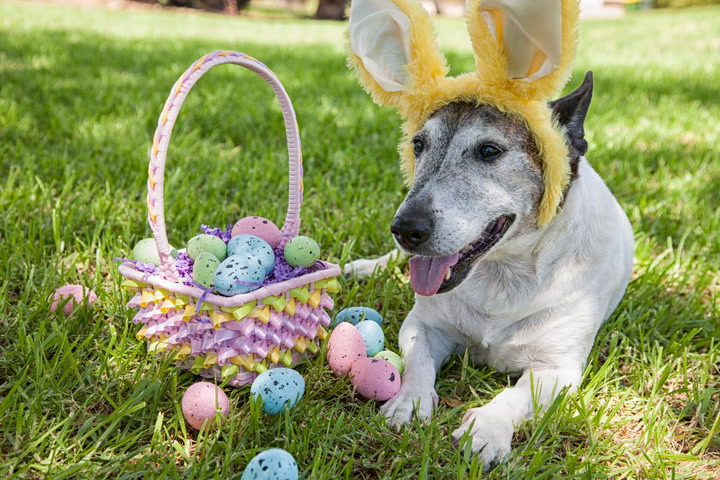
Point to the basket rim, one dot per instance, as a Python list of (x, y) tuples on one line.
[(128, 270)]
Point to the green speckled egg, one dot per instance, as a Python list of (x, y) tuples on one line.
[(393, 359), (206, 243), (301, 252), (204, 269), (146, 251)]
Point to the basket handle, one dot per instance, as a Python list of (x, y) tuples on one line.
[(158, 154)]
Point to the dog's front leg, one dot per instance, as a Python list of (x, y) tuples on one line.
[(424, 350), (492, 426)]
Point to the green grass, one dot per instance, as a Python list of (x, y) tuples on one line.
[(80, 91)]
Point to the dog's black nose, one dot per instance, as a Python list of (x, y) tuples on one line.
[(411, 231)]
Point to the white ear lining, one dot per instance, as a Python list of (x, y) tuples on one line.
[(531, 34), (379, 35)]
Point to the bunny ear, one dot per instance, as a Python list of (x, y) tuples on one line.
[(393, 48), (531, 41)]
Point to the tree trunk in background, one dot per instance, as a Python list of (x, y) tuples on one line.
[(231, 7), (331, 10)]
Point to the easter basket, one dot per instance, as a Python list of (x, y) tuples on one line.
[(228, 338)]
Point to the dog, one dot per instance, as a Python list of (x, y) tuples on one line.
[(518, 297)]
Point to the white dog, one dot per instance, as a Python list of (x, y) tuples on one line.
[(520, 251), (520, 298)]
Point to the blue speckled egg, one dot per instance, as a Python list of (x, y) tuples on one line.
[(277, 387), (373, 337), (206, 243), (272, 464), (236, 269), (354, 315), (254, 248)]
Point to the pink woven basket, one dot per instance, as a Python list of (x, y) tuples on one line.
[(228, 338)]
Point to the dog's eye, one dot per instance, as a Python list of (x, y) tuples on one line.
[(487, 151), (418, 146)]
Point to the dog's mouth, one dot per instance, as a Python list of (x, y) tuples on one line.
[(431, 275)]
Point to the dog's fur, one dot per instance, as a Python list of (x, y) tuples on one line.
[(534, 302)]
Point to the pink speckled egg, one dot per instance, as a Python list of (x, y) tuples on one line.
[(344, 347), (260, 227), (76, 295), (201, 401), (375, 378)]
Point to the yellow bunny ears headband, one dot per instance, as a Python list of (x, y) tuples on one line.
[(524, 51)]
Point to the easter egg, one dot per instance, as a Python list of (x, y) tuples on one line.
[(235, 269), (344, 347), (272, 464), (278, 387), (145, 251), (72, 296), (201, 401), (301, 251), (357, 314), (206, 243), (260, 227), (204, 269), (372, 335), (254, 248), (374, 378), (393, 359)]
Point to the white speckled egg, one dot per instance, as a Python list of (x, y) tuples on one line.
[(344, 347), (372, 335), (393, 359), (357, 314), (301, 252), (206, 243), (204, 268), (236, 269), (255, 249), (374, 378), (277, 387), (201, 401), (272, 464)]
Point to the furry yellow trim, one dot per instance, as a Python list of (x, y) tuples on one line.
[(429, 89)]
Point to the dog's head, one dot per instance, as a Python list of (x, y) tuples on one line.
[(478, 182)]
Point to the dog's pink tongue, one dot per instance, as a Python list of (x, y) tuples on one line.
[(428, 273)]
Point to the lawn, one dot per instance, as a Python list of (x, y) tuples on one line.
[(80, 91)]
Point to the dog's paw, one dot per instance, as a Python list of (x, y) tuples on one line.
[(400, 409), (362, 268), (490, 437)]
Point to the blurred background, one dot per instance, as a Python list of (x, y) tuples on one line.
[(337, 9)]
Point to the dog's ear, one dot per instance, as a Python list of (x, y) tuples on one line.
[(393, 48), (570, 112)]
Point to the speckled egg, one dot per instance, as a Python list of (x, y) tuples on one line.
[(254, 248), (357, 314), (301, 251), (74, 295), (207, 243), (201, 401), (204, 268), (344, 347), (272, 464), (260, 227), (146, 251), (374, 378), (373, 337), (236, 269), (278, 387), (393, 359)]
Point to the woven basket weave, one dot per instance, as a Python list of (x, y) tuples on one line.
[(229, 338)]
